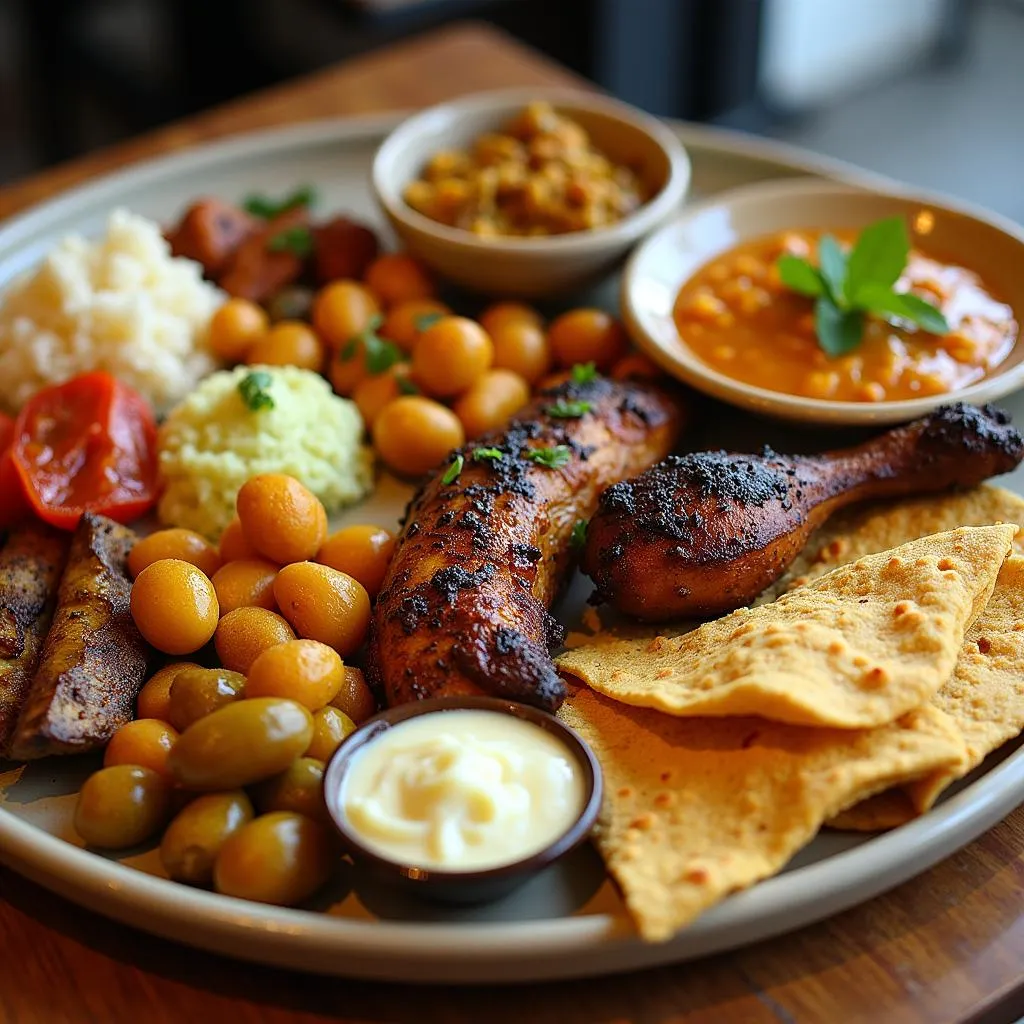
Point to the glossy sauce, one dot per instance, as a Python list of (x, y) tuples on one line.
[(462, 790), (737, 317)]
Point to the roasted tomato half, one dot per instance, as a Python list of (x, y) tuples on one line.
[(88, 445), (14, 505)]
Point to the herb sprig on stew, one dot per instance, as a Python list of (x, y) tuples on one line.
[(850, 287)]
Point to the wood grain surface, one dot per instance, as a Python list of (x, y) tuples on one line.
[(945, 947)]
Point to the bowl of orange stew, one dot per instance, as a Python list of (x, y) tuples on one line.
[(823, 302)]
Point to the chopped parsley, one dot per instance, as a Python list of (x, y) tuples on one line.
[(253, 388), (451, 474), (379, 353), (569, 410), (298, 241), (267, 208), (488, 454), (551, 458), (584, 373), (579, 534)]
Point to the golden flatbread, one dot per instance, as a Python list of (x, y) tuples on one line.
[(695, 809), (984, 698), (866, 529), (856, 648)]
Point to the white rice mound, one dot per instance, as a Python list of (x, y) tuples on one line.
[(121, 304), (213, 442)]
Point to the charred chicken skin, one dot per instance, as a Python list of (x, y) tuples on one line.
[(699, 535), (485, 548)]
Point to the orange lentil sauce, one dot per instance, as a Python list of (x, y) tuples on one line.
[(737, 316)]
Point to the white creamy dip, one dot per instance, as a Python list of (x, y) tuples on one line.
[(462, 790)]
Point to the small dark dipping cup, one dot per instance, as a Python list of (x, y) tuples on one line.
[(470, 886)]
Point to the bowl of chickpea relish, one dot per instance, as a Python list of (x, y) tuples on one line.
[(821, 302), (528, 195)]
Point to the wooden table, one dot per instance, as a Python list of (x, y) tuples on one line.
[(948, 946)]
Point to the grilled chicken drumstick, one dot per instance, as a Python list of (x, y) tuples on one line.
[(464, 607), (703, 534)]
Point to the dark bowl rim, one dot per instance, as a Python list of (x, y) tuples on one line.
[(373, 727)]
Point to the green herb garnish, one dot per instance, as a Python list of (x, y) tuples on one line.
[(425, 320), (451, 474), (568, 410), (849, 287), (298, 241), (489, 454), (579, 534), (551, 458), (584, 373), (379, 353), (253, 389), (405, 385), (267, 208)]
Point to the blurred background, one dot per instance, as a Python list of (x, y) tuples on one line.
[(929, 91)]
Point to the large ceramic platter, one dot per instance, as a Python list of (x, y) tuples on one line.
[(567, 921)]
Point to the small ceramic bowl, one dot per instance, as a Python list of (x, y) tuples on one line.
[(529, 267), (991, 246), (471, 886)]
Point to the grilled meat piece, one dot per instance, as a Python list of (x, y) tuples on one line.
[(464, 607), (30, 566), (94, 659), (210, 232), (699, 535), (256, 270), (342, 247)]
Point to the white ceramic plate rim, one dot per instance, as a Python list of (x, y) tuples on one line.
[(562, 947), (797, 407)]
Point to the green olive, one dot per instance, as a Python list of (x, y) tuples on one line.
[(120, 806), (330, 727), (280, 858), (194, 838), (299, 788), (241, 743), (196, 692)]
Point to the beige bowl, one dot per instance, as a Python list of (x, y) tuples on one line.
[(528, 267), (983, 242)]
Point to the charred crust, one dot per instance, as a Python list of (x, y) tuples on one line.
[(974, 431), (412, 609), (452, 579)]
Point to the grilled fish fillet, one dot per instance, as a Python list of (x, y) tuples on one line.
[(94, 659), (31, 563), (464, 607)]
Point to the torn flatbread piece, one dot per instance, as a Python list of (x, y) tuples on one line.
[(866, 529), (984, 698), (856, 648), (695, 809)]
